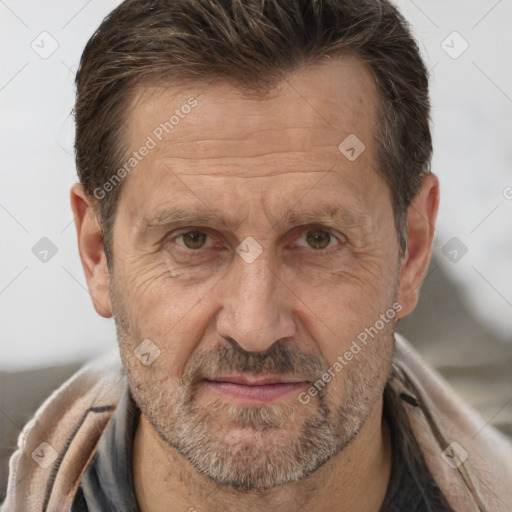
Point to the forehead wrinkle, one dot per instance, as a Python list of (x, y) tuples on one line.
[(248, 176)]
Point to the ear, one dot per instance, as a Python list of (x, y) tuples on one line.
[(92, 254), (421, 220)]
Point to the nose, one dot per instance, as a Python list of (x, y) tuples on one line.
[(255, 313)]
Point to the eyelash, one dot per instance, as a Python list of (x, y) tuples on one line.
[(328, 252)]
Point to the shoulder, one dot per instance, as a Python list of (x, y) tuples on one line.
[(469, 459), (55, 447)]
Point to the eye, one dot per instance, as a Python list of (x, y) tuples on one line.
[(193, 240), (318, 239)]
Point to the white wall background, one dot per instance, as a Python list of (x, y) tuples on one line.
[(46, 315)]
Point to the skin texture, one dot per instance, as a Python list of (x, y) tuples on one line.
[(269, 168)]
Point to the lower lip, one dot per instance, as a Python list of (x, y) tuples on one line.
[(264, 393)]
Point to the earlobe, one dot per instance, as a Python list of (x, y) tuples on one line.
[(92, 254), (421, 219)]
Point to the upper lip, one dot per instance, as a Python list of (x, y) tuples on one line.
[(253, 381)]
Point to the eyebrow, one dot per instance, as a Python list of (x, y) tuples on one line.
[(332, 216), (176, 216)]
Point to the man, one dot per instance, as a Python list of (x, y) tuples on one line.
[(256, 211)]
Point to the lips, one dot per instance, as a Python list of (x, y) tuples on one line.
[(252, 389), (262, 381)]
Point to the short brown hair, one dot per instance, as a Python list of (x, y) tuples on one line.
[(254, 44)]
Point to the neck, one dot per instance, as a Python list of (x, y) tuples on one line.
[(355, 479)]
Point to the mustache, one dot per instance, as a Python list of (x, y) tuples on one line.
[(277, 360)]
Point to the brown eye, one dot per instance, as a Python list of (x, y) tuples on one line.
[(194, 239), (318, 239)]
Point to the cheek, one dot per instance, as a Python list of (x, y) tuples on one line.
[(340, 310), (361, 365), (159, 308)]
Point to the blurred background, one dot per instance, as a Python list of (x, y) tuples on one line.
[(463, 323)]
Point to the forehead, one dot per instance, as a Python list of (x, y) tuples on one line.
[(214, 137), (337, 95)]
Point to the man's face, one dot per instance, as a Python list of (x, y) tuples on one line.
[(320, 267)]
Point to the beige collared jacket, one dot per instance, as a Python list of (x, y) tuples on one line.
[(470, 461)]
